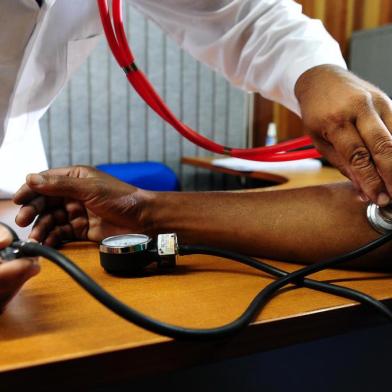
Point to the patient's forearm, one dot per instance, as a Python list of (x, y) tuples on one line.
[(303, 225)]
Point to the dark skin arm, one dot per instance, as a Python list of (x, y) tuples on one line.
[(302, 225)]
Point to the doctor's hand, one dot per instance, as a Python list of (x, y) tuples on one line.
[(13, 274), (350, 122), (78, 203)]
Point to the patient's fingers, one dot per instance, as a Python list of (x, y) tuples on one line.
[(38, 205), (46, 223), (59, 234), (43, 226), (75, 209), (28, 212), (24, 194)]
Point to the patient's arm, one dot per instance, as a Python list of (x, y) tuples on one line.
[(302, 225)]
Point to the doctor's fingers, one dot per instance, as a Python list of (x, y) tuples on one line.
[(358, 162), (13, 275), (327, 150), (335, 159), (378, 140), (18, 270), (5, 237)]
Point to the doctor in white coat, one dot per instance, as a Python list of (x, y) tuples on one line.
[(266, 46)]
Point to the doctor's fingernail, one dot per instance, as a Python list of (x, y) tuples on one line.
[(35, 179), (363, 197), (383, 199)]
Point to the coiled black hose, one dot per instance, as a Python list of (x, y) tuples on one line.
[(177, 332)]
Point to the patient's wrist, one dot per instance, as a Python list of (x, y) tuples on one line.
[(164, 212), (150, 208)]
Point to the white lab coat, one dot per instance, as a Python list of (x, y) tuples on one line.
[(259, 45)]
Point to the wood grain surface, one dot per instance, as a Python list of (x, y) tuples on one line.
[(53, 329)]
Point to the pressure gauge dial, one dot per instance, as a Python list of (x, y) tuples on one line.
[(129, 254), (124, 244)]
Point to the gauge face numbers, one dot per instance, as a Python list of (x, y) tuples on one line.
[(122, 241), (126, 243)]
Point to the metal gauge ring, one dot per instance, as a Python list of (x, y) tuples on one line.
[(380, 218), (125, 254), (125, 244)]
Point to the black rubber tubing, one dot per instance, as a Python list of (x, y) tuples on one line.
[(177, 332)]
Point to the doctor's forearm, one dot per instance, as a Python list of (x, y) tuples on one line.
[(307, 224)]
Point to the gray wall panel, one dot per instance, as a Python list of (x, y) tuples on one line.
[(98, 118), (371, 56)]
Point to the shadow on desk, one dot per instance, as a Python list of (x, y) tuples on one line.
[(359, 361)]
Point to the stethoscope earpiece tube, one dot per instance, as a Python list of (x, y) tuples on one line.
[(118, 43)]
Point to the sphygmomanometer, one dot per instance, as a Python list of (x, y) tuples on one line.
[(130, 254)]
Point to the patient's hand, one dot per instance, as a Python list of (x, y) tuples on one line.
[(78, 203), (13, 274)]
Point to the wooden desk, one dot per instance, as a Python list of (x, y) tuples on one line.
[(53, 332)]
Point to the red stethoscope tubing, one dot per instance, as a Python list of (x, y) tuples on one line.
[(119, 46)]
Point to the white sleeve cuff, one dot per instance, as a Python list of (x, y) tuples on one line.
[(317, 53)]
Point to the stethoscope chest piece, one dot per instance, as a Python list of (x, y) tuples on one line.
[(129, 254), (380, 218)]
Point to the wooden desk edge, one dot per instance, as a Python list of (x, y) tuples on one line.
[(206, 163), (163, 355)]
